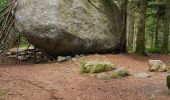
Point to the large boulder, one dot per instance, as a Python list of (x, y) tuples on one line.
[(61, 27)]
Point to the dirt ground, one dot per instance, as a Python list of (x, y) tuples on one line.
[(62, 81)]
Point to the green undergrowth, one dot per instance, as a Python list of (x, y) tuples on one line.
[(153, 50)]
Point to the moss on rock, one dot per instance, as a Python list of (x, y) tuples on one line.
[(103, 76), (114, 75), (102, 70), (120, 72), (96, 67)]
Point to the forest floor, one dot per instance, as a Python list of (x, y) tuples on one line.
[(62, 81)]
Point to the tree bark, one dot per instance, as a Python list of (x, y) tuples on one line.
[(123, 9), (164, 48), (140, 43), (130, 31), (156, 35)]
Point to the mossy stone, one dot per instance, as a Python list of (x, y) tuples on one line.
[(120, 72), (83, 69), (99, 68), (103, 76), (114, 75), (96, 67)]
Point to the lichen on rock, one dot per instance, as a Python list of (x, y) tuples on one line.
[(157, 66), (69, 27), (103, 76), (120, 72), (96, 67), (102, 70)]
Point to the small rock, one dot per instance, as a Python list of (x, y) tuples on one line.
[(82, 55), (168, 81), (73, 59), (120, 72), (157, 66), (114, 53), (61, 59), (79, 88), (152, 97), (77, 56), (92, 75), (22, 57), (68, 57), (28, 56), (8, 54), (103, 76), (142, 75)]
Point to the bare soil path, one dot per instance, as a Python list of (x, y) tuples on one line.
[(63, 82)]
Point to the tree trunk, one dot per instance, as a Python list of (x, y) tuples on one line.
[(124, 16), (140, 45), (131, 21), (156, 35), (136, 25), (152, 41), (165, 48)]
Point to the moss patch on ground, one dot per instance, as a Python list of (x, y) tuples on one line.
[(2, 94)]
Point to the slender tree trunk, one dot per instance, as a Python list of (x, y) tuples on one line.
[(156, 35), (140, 43), (152, 41), (164, 48), (131, 21), (136, 25), (124, 16)]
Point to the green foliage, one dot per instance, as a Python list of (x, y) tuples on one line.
[(3, 3), (154, 22), (24, 42), (153, 50), (106, 2)]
